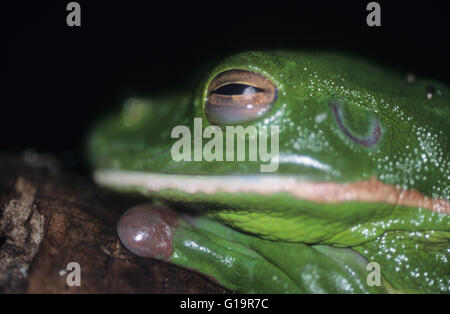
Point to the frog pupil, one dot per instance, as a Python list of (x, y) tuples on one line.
[(237, 89)]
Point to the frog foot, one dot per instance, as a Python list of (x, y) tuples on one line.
[(238, 261)]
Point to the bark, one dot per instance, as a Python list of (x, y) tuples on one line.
[(49, 218)]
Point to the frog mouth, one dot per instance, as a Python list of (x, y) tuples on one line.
[(365, 191)]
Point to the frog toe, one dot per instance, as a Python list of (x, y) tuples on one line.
[(147, 230)]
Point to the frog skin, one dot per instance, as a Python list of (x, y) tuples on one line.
[(363, 177)]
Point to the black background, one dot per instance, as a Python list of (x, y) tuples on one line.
[(59, 79)]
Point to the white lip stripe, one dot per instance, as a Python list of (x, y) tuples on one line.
[(369, 191)]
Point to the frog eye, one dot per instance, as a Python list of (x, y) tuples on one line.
[(239, 96)]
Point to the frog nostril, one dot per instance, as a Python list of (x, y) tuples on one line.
[(371, 140)]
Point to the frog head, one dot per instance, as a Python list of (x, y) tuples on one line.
[(338, 119)]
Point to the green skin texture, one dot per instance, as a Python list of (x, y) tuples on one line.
[(276, 243)]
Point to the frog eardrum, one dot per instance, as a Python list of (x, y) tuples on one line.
[(371, 140), (239, 96)]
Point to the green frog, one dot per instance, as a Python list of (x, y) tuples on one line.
[(288, 172)]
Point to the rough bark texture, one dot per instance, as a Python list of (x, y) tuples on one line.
[(49, 218)]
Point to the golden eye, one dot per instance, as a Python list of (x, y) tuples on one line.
[(239, 96)]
